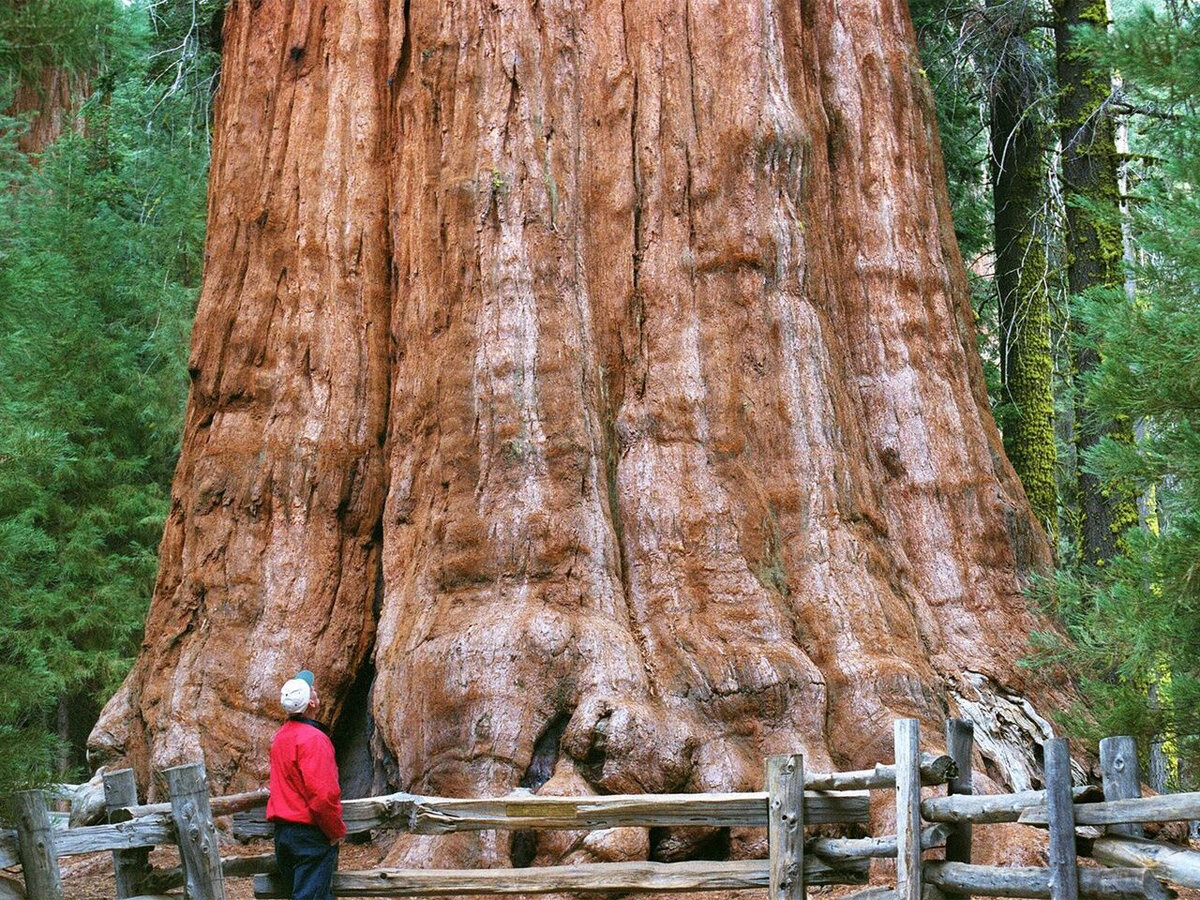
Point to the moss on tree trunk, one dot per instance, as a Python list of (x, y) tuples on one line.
[(1094, 257), (1026, 366)]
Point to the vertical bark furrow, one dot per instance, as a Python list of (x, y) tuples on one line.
[(267, 558), (686, 453)]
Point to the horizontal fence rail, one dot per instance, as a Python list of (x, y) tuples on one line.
[(439, 815), (1020, 881), (1133, 868), (705, 875), (992, 809)]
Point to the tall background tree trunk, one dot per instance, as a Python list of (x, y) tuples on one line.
[(1019, 179), (1094, 251), (588, 393), (49, 101)]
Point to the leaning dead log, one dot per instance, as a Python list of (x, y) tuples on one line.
[(87, 801), (701, 875), (1164, 861), (984, 809), (1031, 882)]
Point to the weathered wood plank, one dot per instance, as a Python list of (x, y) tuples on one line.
[(1064, 878), (129, 866), (1034, 883), (1121, 778), (928, 892), (123, 836), (149, 832), (1164, 808), (8, 849), (35, 847), (1174, 864), (188, 787), (934, 770), (435, 815), (908, 809), (589, 877), (785, 826), (875, 893), (836, 850), (438, 815), (221, 806), (960, 746), (985, 809), (253, 824)]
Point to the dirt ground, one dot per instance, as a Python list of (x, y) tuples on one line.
[(90, 877)]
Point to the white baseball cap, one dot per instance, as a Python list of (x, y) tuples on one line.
[(295, 696)]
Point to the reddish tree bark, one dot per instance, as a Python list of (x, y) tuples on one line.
[(603, 375), (49, 101)]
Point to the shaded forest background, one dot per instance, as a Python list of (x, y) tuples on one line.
[(1072, 142)]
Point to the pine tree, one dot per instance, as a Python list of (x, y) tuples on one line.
[(1136, 622), (99, 261)]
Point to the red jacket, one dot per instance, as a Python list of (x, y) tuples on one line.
[(304, 779)]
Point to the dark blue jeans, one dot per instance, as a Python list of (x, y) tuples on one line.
[(306, 860)]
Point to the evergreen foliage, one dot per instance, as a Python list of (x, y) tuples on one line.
[(69, 34), (1136, 621), (1131, 607), (948, 56), (100, 257)]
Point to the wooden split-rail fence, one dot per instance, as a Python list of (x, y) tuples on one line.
[(1100, 824)]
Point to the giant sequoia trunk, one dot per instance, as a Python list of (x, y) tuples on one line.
[(595, 383)]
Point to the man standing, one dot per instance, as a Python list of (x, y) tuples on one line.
[(306, 800)]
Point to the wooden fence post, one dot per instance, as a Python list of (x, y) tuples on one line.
[(1060, 809), (188, 786), (129, 866), (908, 809), (960, 746), (785, 826), (1121, 777), (35, 846)]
